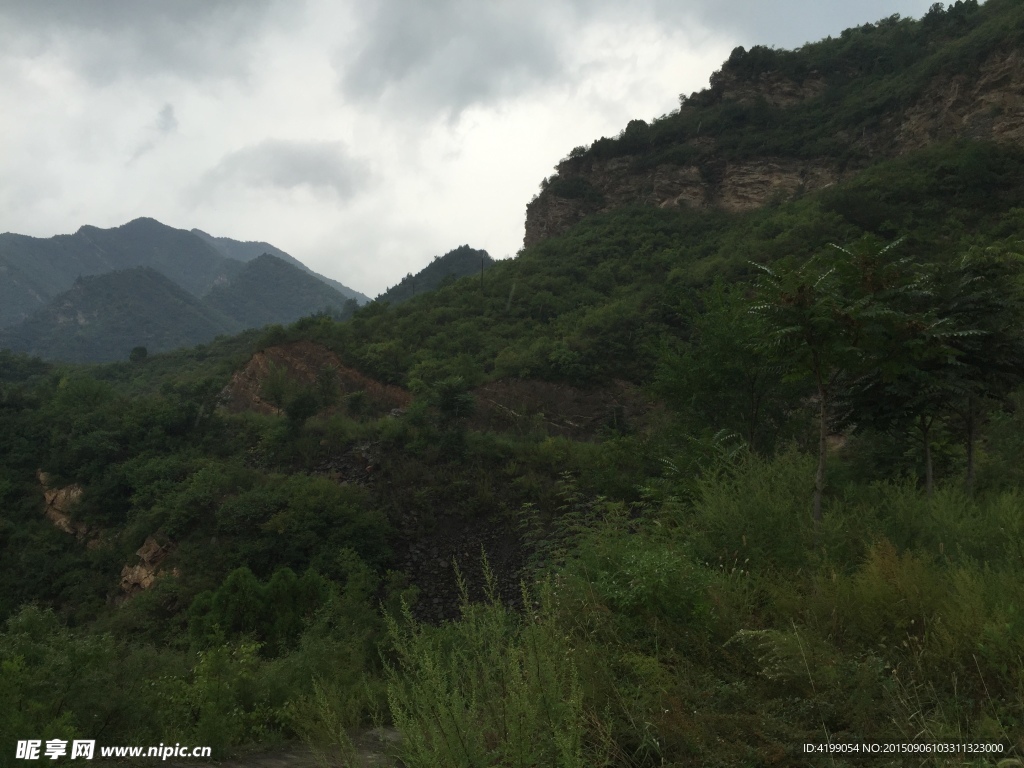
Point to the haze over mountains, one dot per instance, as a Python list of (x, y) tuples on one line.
[(94, 295)]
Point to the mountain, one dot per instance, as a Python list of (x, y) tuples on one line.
[(102, 317), (776, 124), (270, 290), (33, 270), (457, 263), (251, 249)]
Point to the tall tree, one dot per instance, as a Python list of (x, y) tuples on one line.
[(984, 291), (806, 324), (948, 340)]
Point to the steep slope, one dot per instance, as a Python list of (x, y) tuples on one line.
[(104, 316), (251, 249), (459, 262), (36, 269), (270, 290), (775, 124)]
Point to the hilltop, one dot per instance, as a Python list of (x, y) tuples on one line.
[(457, 263), (777, 124), (252, 249)]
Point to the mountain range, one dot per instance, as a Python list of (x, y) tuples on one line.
[(97, 294), (94, 295)]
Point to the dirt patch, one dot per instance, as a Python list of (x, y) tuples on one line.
[(430, 558), (304, 362)]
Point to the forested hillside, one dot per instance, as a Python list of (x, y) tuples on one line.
[(269, 290), (458, 262), (775, 124), (103, 317), (676, 486), (249, 250)]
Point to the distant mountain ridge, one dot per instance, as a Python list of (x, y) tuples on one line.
[(457, 263), (34, 270), (271, 290), (101, 318), (94, 295), (252, 249)]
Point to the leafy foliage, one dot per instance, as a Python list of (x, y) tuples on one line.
[(457, 263)]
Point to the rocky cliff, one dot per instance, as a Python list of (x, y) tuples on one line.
[(985, 103)]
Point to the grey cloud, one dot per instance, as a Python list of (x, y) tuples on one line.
[(110, 39), (786, 23), (166, 122), (317, 165), (448, 54), (165, 125)]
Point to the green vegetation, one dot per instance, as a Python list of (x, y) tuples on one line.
[(103, 317), (457, 263), (269, 290), (858, 79), (689, 597), (811, 529)]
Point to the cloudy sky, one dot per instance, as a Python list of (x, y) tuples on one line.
[(363, 137)]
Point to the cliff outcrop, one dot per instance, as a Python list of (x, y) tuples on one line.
[(985, 103), (58, 504)]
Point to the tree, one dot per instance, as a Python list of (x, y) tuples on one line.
[(983, 292), (138, 354), (806, 328), (277, 385), (933, 341), (834, 325), (723, 379)]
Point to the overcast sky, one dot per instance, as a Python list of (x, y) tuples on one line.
[(361, 137)]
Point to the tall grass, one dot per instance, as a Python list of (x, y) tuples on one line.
[(494, 688)]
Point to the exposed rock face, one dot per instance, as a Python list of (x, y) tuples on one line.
[(988, 104), (739, 186), (775, 89), (57, 504), (135, 578)]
